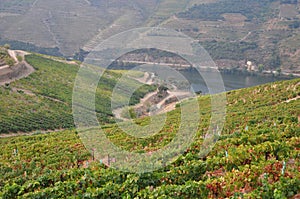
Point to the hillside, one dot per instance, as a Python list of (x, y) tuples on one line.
[(5, 58), (13, 65), (43, 100), (264, 32), (256, 156), (59, 23)]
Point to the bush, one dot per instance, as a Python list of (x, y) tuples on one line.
[(10, 61)]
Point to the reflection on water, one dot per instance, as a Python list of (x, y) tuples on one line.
[(231, 81)]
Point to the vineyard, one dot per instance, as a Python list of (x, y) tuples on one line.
[(256, 156), (44, 99)]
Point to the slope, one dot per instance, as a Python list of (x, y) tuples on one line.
[(43, 100), (256, 156), (234, 32)]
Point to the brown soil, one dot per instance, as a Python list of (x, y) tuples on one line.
[(29, 133), (20, 70)]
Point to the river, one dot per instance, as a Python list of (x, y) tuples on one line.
[(230, 81)]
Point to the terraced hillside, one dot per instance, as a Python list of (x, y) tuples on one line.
[(234, 32), (58, 24), (256, 156), (264, 32), (43, 100)]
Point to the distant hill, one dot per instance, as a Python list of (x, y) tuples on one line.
[(60, 23), (266, 32)]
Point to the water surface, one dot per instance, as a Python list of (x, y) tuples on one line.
[(230, 81)]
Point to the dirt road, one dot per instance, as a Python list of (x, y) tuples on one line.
[(20, 70)]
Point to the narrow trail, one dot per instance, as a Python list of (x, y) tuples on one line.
[(148, 78), (293, 99), (30, 69), (60, 60), (162, 106), (160, 64), (87, 2), (244, 38), (36, 132), (47, 24), (20, 70), (34, 3), (12, 53)]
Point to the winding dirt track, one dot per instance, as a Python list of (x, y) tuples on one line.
[(163, 108), (37, 132), (20, 70)]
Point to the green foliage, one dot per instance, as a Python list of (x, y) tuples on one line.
[(257, 9), (226, 50), (80, 55), (20, 58), (294, 25), (6, 46), (9, 61), (261, 133), (4, 56), (129, 113), (274, 61), (47, 102), (19, 45), (288, 1), (261, 67)]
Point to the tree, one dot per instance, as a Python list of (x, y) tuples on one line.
[(7, 46), (261, 67), (198, 92), (162, 89), (278, 70), (9, 61)]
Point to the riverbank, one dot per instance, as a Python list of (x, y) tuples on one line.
[(157, 102), (264, 73)]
